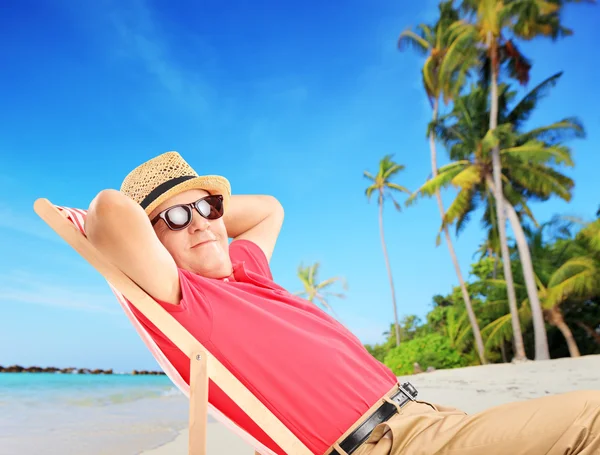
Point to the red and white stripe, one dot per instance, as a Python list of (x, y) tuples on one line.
[(77, 217)]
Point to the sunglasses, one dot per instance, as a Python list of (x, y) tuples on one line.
[(179, 216)]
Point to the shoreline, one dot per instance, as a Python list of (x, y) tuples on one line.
[(472, 389), (17, 369)]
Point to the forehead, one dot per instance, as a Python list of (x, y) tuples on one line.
[(181, 198)]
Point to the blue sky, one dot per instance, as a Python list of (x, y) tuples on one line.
[(293, 99)]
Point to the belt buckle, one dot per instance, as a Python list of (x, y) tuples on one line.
[(408, 390)]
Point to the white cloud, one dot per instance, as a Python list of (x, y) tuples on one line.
[(142, 41), (29, 288), (25, 224)]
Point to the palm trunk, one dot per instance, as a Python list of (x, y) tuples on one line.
[(463, 287), (557, 320), (499, 198), (539, 327), (389, 270)]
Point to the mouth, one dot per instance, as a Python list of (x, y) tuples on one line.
[(205, 242)]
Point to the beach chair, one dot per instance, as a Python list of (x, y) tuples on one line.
[(68, 223)]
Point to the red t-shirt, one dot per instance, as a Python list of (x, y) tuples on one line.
[(305, 366)]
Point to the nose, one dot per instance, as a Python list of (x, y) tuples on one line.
[(198, 223)]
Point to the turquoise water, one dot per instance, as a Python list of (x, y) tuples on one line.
[(93, 414), (82, 389)]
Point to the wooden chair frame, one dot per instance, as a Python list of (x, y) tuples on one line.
[(203, 365)]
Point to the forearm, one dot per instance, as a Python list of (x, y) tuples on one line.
[(245, 212)]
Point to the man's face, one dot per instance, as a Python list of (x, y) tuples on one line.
[(203, 246)]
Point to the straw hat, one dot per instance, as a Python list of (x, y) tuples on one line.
[(162, 177)]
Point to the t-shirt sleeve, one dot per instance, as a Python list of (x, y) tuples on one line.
[(252, 255)]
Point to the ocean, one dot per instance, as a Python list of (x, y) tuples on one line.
[(50, 413)]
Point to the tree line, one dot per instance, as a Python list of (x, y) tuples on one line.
[(536, 296)]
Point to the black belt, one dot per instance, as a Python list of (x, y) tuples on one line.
[(383, 413)]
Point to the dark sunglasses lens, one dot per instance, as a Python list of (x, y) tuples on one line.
[(178, 217), (210, 207)]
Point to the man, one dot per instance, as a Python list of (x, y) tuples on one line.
[(168, 229)]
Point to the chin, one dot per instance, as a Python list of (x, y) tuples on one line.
[(216, 269)]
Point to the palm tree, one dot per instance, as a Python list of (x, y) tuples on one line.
[(319, 291), (443, 73), (524, 19), (385, 188), (527, 160), (558, 281), (576, 278)]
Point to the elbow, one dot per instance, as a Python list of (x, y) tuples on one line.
[(104, 210), (277, 210)]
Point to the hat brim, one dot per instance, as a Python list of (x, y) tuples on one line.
[(214, 184)]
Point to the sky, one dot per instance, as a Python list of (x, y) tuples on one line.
[(292, 99)]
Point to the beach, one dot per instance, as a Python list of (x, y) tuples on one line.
[(471, 389), (132, 415)]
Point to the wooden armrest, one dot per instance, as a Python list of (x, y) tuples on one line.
[(198, 403)]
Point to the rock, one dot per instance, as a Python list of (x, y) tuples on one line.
[(145, 372), (430, 369), (69, 370), (417, 368)]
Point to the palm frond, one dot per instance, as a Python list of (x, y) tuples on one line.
[(497, 332), (591, 232), (308, 276), (575, 278), (397, 206), (391, 170), (496, 306), (328, 282), (501, 329), (442, 180), (521, 112), (490, 140), (368, 175), (468, 177), (465, 215), (500, 283), (557, 132), (460, 205), (397, 187), (540, 182), (538, 152), (369, 191), (408, 38), (324, 303), (429, 77)]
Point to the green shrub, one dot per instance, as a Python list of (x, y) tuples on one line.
[(428, 350)]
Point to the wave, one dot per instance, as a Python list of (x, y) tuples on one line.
[(121, 397), (172, 392)]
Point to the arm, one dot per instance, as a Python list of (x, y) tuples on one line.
[(257, 218), (120, 229)]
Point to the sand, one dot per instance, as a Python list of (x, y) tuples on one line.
[(471, 389)]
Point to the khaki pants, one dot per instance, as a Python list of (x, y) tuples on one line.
[(562, 424)]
